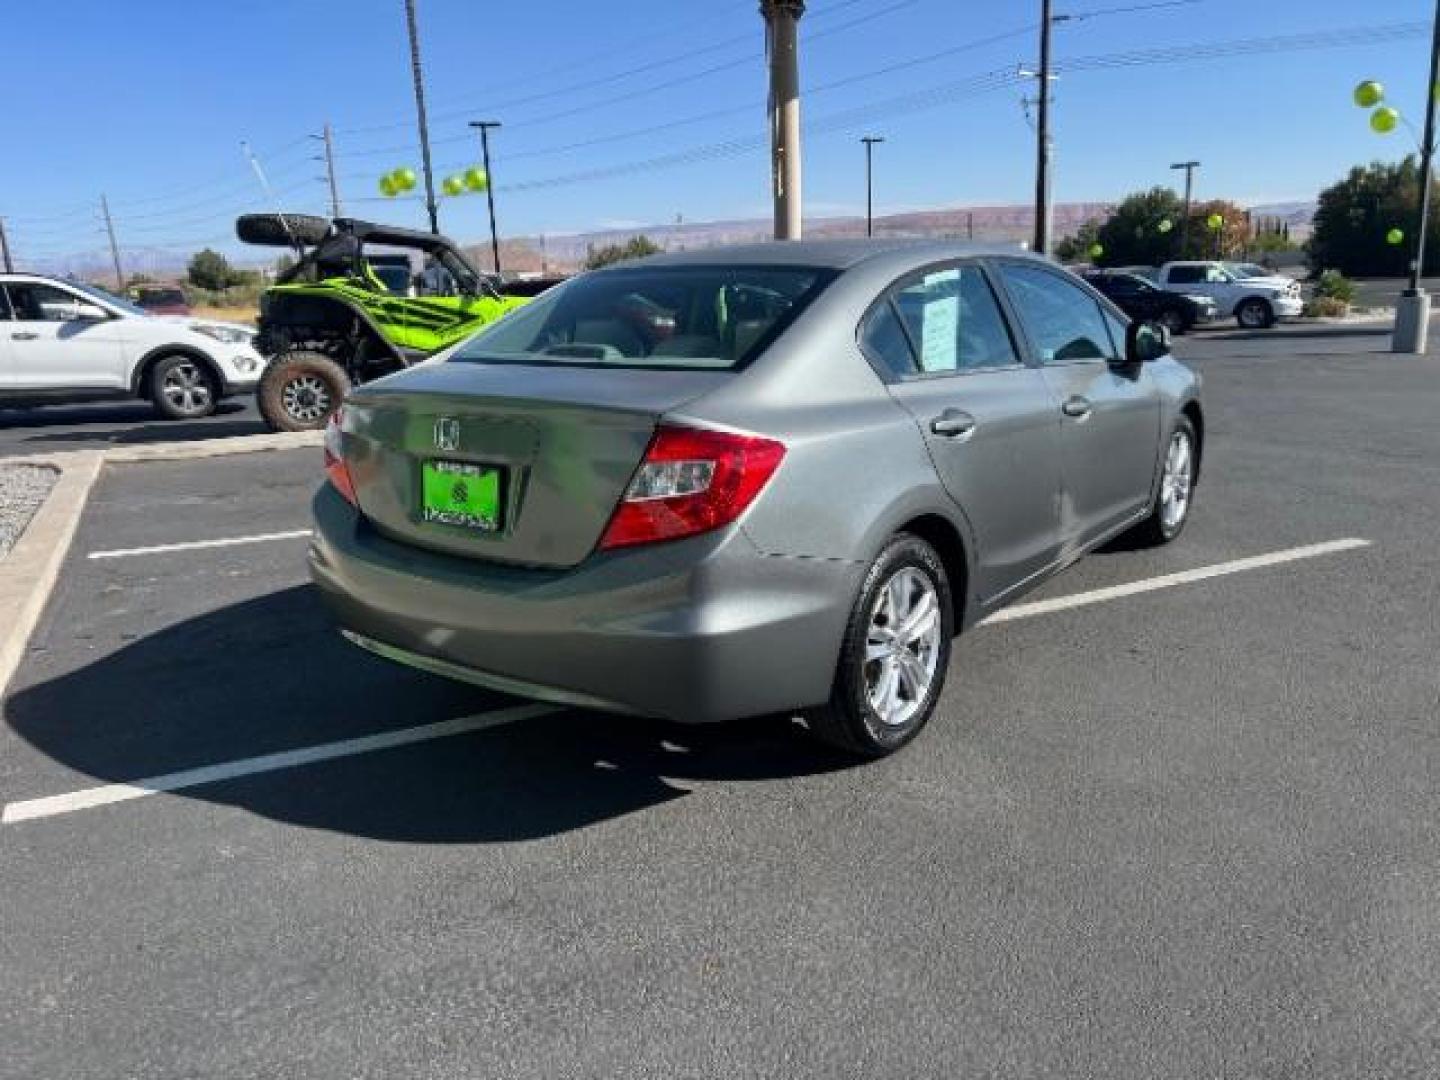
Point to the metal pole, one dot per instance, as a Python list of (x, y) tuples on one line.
[(330, 172), (5, 248), (1189, 167), (1041, 243), (114, 248), (1427, 157), (485, 126), (781, 20), (1412, 311), (430, 205), (870, 141)]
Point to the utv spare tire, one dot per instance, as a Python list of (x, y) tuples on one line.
[(299, 391), (281, 230)]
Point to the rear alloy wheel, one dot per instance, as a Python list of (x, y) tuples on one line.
[(181, 389), (894, 656), (299, 391), (1255, 314), (1171, 508)]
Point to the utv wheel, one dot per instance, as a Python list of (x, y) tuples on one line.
[(894, 654), (1171, 508), (1255, 314), (299, 391), (182, 389)]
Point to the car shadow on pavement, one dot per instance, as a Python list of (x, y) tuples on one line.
[(124, 425), (271, 674)]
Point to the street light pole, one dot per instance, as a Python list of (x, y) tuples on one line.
[(1189, 167), (484, 127), (1412, 313), (870, 141), (416, 72), (781, 29)]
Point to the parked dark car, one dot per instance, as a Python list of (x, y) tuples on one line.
[(162, 299), (1142, 300)]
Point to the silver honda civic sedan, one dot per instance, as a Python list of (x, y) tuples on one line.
[(774, 479)]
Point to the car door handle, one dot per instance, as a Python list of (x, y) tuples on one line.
[(1076, 406), (24, 335), (953, 424)]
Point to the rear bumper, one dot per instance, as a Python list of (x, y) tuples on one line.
[(698, 630)]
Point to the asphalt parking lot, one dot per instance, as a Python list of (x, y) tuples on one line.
[(1166, 823)]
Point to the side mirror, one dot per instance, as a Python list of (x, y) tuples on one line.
[(91, 313), (1146, 341)]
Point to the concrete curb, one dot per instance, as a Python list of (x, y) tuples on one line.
[(28, 573), (205, 448)]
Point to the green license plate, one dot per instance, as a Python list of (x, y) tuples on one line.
[(457, 493)]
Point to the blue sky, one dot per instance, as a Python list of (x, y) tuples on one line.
[(149, 102)]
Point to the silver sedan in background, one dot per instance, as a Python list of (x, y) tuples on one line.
[(775, 479)]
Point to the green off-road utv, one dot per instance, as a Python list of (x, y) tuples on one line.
[(346, 313)]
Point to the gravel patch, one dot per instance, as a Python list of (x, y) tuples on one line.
[(22, 489)]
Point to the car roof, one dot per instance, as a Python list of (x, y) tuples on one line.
[(830, 254)]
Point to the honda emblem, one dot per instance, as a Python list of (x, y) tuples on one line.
[(447, 433)]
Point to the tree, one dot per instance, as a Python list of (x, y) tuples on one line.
[(1355, 217), (1077, 248), (1136, 231), (1226, 242), (637, 247), (208, 270)]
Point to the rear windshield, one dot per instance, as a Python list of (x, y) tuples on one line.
[(671, 317)]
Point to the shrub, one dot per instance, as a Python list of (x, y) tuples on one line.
[(1333, 285)]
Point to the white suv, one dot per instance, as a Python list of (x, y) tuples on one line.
[(64, 341)]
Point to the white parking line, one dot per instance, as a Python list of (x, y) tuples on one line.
[(1169, 581), (85, 798), (194, 545)]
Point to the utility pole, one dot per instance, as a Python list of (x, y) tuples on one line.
[(970, 224), (544, 260), (1412, 313), (415, 70), (485, 126), (1044, 147), (782, 18), (5, 248), (328, 139), (1189, 167), (114, 248), (870, 141)]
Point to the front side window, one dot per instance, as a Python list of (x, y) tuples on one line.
[(1186, 275), (1064, 322), (954, 323), (715, 317), (36, 302)]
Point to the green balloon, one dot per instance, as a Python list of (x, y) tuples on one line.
[(1216, 221), (1369, 94), (454, 185), (388, 188), (476, 179), (1395, 237), (1384, 120), (404, 178), (1166, 225)]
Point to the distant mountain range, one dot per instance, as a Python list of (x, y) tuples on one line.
[(1001, 224)]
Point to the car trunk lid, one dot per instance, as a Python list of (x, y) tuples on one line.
[(553, 445)]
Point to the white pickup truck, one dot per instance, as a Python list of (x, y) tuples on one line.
[(1256, 303)]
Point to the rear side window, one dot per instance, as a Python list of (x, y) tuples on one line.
[(1064, 321), (4, 305), (883, 339), (666, 316), (952, 323)]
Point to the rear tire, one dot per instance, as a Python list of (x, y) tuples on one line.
[(182, 388), (1255, 314), (299, 390), (894, 655), (1174, 321)]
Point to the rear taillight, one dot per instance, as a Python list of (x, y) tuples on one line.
[(335, 468), (691, 481)]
